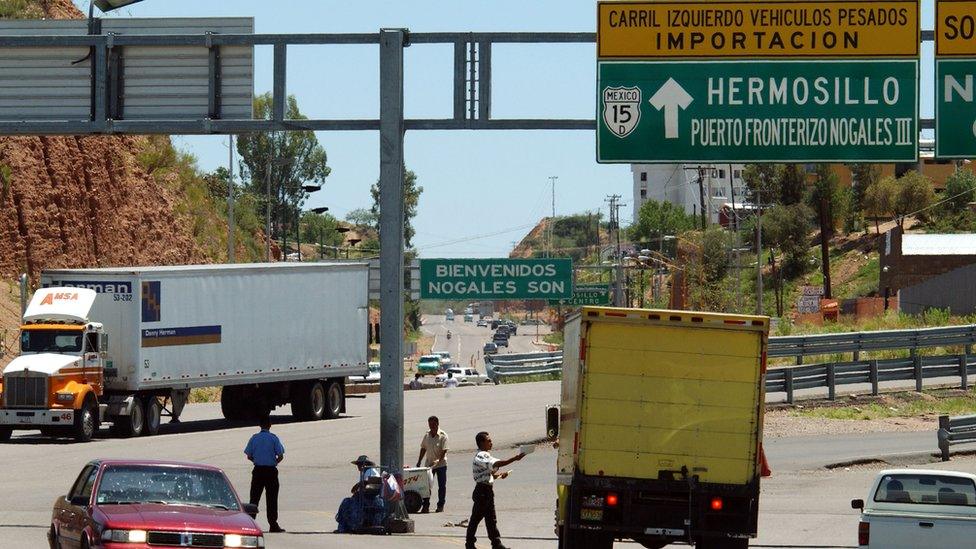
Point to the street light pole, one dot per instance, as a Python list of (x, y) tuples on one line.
[(230, 202)]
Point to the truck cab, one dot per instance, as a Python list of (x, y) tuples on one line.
[(56, 382)]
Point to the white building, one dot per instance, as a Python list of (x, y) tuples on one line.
[(678, 184)]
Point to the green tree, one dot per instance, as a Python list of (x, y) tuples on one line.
[(792, 184), (658, 219), (863, 176), (828, 193), (787, 228), (363, 217), (960, 190), (294, 158), (763, 182), (914, 195), (411, 199), (879, 198), (320, 229)]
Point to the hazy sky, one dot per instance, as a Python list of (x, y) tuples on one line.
[(482, 189)]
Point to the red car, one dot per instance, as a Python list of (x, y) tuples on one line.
[(124, 504)]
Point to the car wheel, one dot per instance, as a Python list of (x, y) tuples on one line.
[(86, 421), (153, 417), (52, 538)]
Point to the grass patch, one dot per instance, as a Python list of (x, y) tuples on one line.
[(20, 9), (555, 338), (205, 394), (907, 404)]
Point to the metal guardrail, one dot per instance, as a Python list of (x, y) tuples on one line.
[(918, 368), (855, 342), (522, 364), (955, 430)]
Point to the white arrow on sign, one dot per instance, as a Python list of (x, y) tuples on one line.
[(670, 97)]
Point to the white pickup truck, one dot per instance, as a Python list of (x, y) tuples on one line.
[(911, 508)]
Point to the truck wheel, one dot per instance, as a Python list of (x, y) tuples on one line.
[(132, 424), (413, 502), (154, 416), (230, 404), (308, 401), (86, 421), (333, 400), (5, 433)]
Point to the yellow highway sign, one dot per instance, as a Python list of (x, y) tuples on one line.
[(886, 28), (955, 27)]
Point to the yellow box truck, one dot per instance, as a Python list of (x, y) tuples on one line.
[(660, 428)]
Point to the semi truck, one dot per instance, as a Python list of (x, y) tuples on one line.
[(660, 426), (125, 346)]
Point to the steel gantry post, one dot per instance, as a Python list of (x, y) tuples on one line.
[(392, 42)]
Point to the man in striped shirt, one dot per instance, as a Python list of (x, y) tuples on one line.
[(485, 471)]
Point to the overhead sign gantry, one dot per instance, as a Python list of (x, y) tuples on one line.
[(758, 81)]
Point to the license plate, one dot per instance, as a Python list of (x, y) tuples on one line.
[(591, 514), (25, 419)]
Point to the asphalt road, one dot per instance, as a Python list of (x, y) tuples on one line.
[(468, 339), (801, 506)]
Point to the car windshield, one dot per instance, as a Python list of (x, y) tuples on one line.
[(50, 341), (926, 489), (131, 484)]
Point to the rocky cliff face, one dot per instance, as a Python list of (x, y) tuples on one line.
[(70, 201)]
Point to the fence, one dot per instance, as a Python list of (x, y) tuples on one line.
[(956, 430), (522, 364), (855, 342)]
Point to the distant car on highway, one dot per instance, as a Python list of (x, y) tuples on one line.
[(373, 375), (445, 358), (500, 339), (464, 376), (495, 323), (908, 508), (512, 327), (124, 504), (482, 323), (429, 364), (449, 316), (490, 348), (468, 318)]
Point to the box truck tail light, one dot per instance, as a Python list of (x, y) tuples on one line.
[(763, 365), (863, 533), (612, 499), (716, 504), (582, 354)]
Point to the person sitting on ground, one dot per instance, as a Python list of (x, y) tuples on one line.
[(365, 503), (417, 383)]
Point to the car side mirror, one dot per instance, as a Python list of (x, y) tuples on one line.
[(857, 504), (78, 501), (251, 509)]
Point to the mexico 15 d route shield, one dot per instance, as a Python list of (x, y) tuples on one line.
[(758, 111)]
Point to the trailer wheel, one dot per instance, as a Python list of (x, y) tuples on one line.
[(230, 404), (132, 424), (5, 433), (154, 416), (86, 421), (333, 400)]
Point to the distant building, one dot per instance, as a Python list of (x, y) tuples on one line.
[(929, 271), (678, 184)]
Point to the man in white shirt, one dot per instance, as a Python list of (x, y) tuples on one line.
[(434, 446), (451, 381), (485, 471)]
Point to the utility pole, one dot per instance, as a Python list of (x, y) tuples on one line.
[(552, 220), (825, 230), (735, 242), (230, 201), (701, 196), (759, 280), (618, 294), (267, 211)]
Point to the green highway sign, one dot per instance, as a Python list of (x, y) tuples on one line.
[(955, 111), (757, 111), (586, 294), (495, 279)]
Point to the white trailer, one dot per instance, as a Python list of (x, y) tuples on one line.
[(268, 334)]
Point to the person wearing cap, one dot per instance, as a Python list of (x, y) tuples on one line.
[(364, 494), (265, 450), (485, 469)]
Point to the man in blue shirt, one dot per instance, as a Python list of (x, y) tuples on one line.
[(266, 452)]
